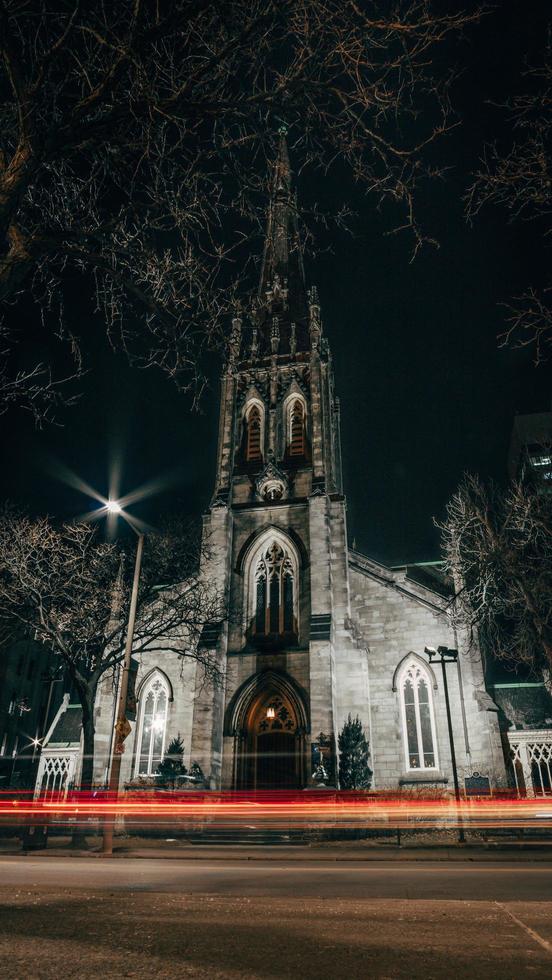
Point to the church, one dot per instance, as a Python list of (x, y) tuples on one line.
[(315, 631)]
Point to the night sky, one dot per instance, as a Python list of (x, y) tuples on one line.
[(425, 393)]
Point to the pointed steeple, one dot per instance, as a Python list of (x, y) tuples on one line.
[(282, 289), (281, 222)]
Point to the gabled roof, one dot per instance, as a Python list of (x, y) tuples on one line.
[(424, 582), (431, 575), (66, 727)]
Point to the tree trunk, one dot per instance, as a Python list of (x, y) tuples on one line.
[(88, 698)]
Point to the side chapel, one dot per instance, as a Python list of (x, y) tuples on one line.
[(315, 631)]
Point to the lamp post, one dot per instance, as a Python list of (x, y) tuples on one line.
[(122, 726), (448, 656)]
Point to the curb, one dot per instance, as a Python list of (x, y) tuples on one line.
[(203, 853)]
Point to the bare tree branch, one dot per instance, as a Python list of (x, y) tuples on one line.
[(70, 591), (134, 138), (498, 549), (518, 179)]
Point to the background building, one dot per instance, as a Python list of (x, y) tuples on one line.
[(530, 453), (31, 688)]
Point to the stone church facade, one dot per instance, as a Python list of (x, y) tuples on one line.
[(315, 631)]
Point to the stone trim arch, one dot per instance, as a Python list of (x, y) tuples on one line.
[(253, 404), (424, 663), (151, 748), (294, 395), (268, 754), (253, 557), (254, 541), (270, 678), (146, 679), (414, 680)]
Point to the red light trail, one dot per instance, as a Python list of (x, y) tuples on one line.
[(188, 811)]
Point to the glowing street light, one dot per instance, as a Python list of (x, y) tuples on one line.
[(122, 726), (448, 656), (112, 507)]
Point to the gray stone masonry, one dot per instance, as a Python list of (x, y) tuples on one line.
[(180, 673), (355, 621), (393, 624)]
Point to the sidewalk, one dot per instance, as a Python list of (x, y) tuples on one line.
[(133, 847)]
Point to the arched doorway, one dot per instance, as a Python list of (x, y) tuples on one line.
[(268, 720)]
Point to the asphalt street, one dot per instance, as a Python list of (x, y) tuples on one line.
[(83, 917), (423, 881)]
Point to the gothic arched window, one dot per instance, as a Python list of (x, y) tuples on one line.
[(274, 592), (297, 428), (152, 724), (418, 718), (253, 433)]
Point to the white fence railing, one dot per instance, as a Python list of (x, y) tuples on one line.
[(531, 762), (56, 772)]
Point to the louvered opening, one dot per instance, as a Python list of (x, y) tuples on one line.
[(297, 430), (253, 447)]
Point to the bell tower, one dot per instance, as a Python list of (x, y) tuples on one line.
[(279, 424), (276, 526)]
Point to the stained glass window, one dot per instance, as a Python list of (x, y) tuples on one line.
[(260, 610), (274, 592), (288, 603), (418, 720), (152, 725)]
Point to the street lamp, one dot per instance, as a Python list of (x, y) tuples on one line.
[(122, 725), (448, 656)]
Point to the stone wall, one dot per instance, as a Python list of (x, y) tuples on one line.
[(180, 673), (394, 619)]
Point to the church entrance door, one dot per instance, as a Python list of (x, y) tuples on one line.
[(270, 751), (276, 761)]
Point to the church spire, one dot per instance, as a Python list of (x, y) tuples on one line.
[(281, 222), (282, 289)]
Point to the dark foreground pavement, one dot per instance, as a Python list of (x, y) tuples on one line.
[(152, 918)]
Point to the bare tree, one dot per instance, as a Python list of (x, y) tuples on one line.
[(519, 180), (69, 590), (498, 550), (133, 134)]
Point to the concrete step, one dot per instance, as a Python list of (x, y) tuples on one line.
[(252, 836)]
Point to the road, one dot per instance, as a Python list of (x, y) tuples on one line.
[(84, 917)]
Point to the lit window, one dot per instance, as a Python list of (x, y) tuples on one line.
[(418, 719), (274, 592), (253, 434), (542, 464), (154, 700), (297, 428)]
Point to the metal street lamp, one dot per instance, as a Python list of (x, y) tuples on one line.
[(122, 725), (448, 656)]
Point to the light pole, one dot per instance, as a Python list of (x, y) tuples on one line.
[(448, 656), (122, 725)]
